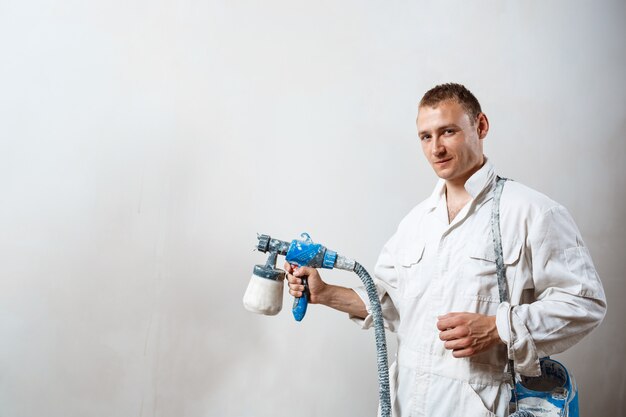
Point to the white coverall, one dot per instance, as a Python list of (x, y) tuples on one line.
[(431, 267)]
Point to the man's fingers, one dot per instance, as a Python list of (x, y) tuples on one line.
[(296, 287), (452, 334), (293, 280), (449, 321), (451, 314), (297, 294), (458, 344), (464, 353), (295, 284)]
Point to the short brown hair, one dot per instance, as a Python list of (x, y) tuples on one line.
[(452, 91)]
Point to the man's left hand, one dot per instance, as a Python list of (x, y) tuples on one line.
[(467, 334)]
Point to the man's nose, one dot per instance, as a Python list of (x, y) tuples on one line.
[(437, 147)]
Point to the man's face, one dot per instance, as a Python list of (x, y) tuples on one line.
[(452, 142)]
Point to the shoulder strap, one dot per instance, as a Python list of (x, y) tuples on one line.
[(497, 240), (500, 267)]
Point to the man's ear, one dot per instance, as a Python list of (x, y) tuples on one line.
[(482, 125)]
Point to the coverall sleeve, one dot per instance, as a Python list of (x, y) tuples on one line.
[(386, 282), (570, 300)]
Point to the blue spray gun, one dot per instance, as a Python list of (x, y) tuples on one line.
[(304, 253), (264, 294)]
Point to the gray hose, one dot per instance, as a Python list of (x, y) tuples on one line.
[(381, 343), (522, 413)]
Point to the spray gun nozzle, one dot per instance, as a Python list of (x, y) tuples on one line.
[(267, 244), (263, 243)]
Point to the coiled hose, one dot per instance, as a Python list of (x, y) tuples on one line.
[(381, 343)]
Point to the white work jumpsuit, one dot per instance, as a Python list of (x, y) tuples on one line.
[(431, 267)]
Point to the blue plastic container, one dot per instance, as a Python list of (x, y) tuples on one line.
[(553, 394)]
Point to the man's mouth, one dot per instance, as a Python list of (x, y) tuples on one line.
[(443, 161)]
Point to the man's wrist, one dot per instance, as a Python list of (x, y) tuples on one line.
[(495, 335), (342, 299), (323, 296)]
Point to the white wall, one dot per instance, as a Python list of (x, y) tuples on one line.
[(144, 144)]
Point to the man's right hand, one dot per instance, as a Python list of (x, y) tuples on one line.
[(296, 288), (334, 296)]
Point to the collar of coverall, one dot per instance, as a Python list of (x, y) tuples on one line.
[(483, 178)]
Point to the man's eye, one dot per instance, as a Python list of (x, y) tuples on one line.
[(425, 137), (448, 131)]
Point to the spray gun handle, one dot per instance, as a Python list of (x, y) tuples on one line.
[(300, 304)]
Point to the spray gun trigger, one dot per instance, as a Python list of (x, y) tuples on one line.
[(305, 293)]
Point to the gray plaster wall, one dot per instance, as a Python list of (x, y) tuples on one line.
[(144, 144)]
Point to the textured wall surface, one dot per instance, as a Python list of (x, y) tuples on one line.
[(144, 144)]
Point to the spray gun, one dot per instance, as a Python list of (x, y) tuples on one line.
[(264, 294), (299, 253)]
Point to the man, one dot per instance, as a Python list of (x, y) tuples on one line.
[(437, 276)]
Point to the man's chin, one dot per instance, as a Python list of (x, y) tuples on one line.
[(442, 173)]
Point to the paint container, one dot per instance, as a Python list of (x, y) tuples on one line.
[(264, 294), (553, 394)]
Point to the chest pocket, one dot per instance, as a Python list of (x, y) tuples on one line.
[(411, 271), (479, 274)]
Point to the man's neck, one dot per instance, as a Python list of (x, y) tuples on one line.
[(456, 193), (456, 190), (456, 199)]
